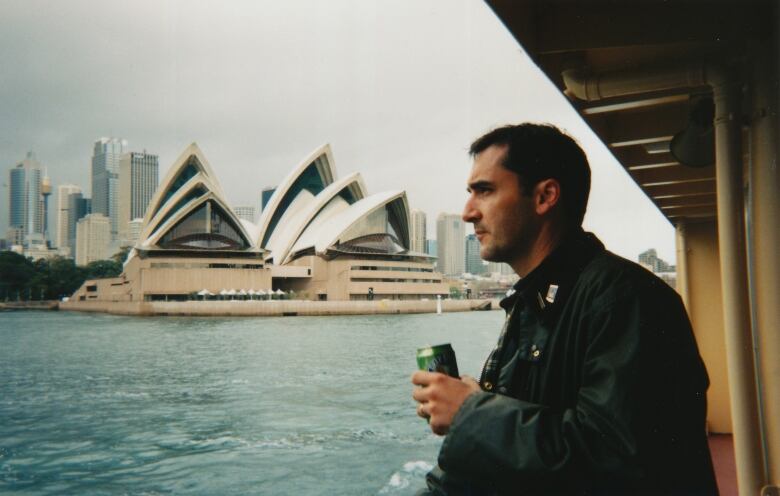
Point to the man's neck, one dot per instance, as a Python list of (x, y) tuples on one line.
[(547, 241)]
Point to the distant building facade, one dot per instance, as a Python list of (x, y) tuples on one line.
[(78, 208), (93, 238), (650, 260), (450, 235), (63, 217), (246, 212), (500, 268), (26, 212), (431, 248), (419, 231), (106, 155), (266, 195), (138, 177), (474, 263), (134, 231)]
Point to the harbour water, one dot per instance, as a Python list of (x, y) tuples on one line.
[(101, 404)]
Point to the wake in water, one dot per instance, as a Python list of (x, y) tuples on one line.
[(411, 473)]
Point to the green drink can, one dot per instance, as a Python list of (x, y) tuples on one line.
[(440, 358)]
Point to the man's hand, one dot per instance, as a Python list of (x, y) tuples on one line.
[(440, 397)]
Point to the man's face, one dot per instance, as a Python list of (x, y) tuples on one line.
[(505, 220)]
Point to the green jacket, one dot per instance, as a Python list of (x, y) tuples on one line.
[(599, 388)]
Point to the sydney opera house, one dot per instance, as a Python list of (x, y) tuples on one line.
[(319, 237)]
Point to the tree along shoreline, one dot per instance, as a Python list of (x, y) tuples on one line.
[(25, 280)]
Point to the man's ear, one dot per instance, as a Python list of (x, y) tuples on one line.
[(547, 194)]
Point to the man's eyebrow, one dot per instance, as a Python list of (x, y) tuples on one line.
[(481, 184)]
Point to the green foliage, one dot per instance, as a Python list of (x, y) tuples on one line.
[(120, 256), (101, 269), (16, 272), (24, 279)]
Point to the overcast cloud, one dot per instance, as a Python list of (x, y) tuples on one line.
[(399, 89)]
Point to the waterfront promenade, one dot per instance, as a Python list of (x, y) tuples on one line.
[(276, 307)]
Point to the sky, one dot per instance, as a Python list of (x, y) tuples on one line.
[(398, 88)]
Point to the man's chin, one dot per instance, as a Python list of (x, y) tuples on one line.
[(490, 256)]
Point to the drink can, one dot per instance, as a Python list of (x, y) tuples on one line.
[(440, 358)]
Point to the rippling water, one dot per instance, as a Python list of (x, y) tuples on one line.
[(99, 404)]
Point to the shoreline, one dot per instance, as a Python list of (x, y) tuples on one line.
[(20, 306), (276, 308)]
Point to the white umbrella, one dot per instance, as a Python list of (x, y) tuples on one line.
[(243, 292), (280, 292), (224, 292), (203, 292), (251, 292), (260, 292)]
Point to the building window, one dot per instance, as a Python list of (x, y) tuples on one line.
[(208, 227)]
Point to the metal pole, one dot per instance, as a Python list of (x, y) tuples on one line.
[(765, 222), (733, 269), (681, 234)]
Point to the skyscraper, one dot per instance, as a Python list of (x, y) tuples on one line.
[(138, 177), (63, 202), (134, 231), (450, 232), (93, 237), (26, 213), (474, 264), (418, 231), (265, 195), (105, 178), (78, 208), (246, 212)]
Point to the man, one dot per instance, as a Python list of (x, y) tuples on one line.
[(596, 385)]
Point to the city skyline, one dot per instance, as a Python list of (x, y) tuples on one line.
[(201, 74)]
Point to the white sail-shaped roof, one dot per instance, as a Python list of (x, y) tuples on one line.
[(189, 210), (190, 163), (336, 197), (203, 231), (298, 189), (195, 187), (356, 221)]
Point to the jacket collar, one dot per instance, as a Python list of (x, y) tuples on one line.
[(547, 286)]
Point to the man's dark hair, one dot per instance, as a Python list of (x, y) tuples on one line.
[(536, 152)]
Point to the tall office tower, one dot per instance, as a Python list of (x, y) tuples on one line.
[(105, 178), (63, 192), (138, 177), (265, 195), (431, 248), (26, 219), (134, 231), (93, 237), (246, 212), (474, 264), (418, 231), (450, 231), (78, 208)]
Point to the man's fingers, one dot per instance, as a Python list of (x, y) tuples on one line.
[(421, 411), (422, 378), (421, 394)]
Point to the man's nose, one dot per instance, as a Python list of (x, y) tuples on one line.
[(470, 212)]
